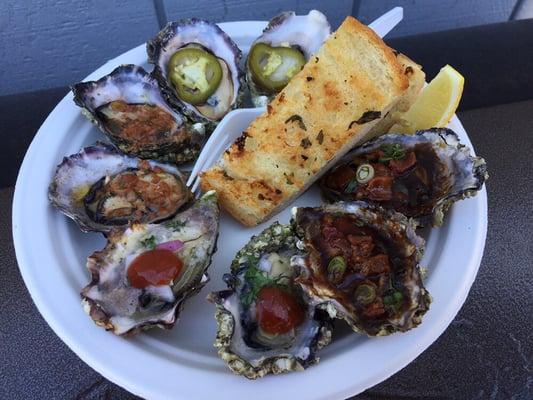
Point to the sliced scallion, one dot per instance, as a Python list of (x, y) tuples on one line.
[(365, 294), (336, 269), (364, 173)]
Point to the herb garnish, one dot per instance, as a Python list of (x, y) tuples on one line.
[(320, 137), (297, 118), (289, 182), (257, 280), (366, 117), (392, 152), (175, 225), (305, 143), (149, 242)]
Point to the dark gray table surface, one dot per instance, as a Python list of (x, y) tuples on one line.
[(485, 353)]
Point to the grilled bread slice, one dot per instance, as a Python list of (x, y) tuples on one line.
[(330, 106), (417, 79)]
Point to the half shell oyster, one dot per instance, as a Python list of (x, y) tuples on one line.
[(264, 323), (125, 299), (102, 189), (419, 175), (287, 43), (197, 67), (128, 107), (362, 266)]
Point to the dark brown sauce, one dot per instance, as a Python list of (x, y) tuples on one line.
[(413, 192), (384, 282)]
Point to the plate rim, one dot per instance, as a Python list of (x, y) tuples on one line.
[(106, 370)]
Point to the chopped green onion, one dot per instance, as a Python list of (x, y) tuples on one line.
[(397, 296), (365, 294), (351, 187), (393, 301), (364, 173), (336, 269)]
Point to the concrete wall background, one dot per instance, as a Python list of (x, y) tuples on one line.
[(46, 43)]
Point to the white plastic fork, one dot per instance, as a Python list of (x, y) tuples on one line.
[(386, 23), (236, 121)]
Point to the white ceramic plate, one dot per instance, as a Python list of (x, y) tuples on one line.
[(182, 363)]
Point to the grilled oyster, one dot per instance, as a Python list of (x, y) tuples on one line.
[(264, 323), (100, 189), (419, 175), (362, 266), (197, 67), (128, 107), (287, 43), (145, 273)]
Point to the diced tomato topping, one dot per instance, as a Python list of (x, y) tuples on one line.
[(380, 188), (398, 167), (375, 309), (376, 265), (381, 169)]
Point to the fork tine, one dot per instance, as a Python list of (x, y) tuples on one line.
[(194, 183), (200, 161), (195, 187), (218, 141), (387, 21), (194, 172)]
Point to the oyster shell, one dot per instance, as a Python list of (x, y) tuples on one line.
[(128, 107), (111, 299), (362, 266), (245, 339), (303, 33), (208, 37), (419, 175), (101, 189)]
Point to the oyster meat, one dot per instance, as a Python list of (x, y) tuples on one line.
[(362, 266), (419, 175), (145, 273), (128, 107), (287, 43), (101, 189), (197, 67), (264, 323)]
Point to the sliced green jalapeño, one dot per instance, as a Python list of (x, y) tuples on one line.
[(195, 74), (273, 67)]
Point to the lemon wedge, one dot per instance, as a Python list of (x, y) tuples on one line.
[(436, 104)]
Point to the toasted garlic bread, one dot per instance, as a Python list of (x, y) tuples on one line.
[(344, 91), (417, 79)]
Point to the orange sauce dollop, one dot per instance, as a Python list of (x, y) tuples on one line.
[(153, 268)]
